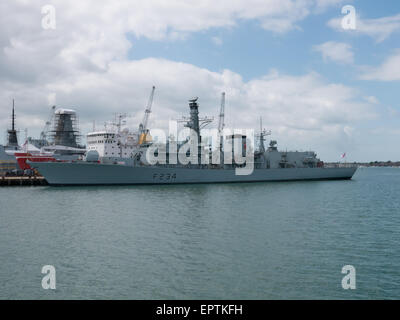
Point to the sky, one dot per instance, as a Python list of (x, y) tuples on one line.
[(320, 79)]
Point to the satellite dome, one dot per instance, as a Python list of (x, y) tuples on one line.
[(92, 156), (65, 111)]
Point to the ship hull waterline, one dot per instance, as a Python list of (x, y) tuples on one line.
[(111, 174)]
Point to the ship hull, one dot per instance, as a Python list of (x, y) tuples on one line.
[(110, 174)]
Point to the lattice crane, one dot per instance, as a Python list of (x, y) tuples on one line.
[(143, 130)]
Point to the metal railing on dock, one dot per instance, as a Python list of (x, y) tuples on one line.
[(23, 181)]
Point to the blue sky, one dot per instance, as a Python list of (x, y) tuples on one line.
[(252, 51), (315, 85)]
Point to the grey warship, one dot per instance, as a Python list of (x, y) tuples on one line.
[(268, 164)]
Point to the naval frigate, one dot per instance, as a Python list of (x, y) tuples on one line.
[(268, 164)]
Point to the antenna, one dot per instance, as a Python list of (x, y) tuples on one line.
[(262, 135)]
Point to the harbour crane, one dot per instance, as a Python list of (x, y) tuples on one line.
[(43, 134), (221, 121), (143, 130)]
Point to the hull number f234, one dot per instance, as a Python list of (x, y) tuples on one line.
[(168, 177)]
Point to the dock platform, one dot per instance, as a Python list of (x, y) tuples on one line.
[(22, 181)]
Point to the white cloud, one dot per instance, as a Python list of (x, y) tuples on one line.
[(303, 111), (327, 3), (322, 5), (89, 35), (389, 70), (84, 65), (380, 29), (371, 99), (336, 51)]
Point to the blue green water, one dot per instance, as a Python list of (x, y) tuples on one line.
[(224, 241)]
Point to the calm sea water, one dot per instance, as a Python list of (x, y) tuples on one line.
[(224, 241)]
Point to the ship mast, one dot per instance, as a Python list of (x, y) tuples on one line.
[(12, 134), (262, 135), (13, 118), (195, 123)]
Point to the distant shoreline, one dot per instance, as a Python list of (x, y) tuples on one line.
[(370, 164)]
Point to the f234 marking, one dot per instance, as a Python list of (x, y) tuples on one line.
[(167, 177)]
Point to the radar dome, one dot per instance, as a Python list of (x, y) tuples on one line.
[(92, 156)]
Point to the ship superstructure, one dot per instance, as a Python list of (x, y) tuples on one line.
[(59, 140), (113, 142), (116, 142), (61, 136), (65, 131)]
